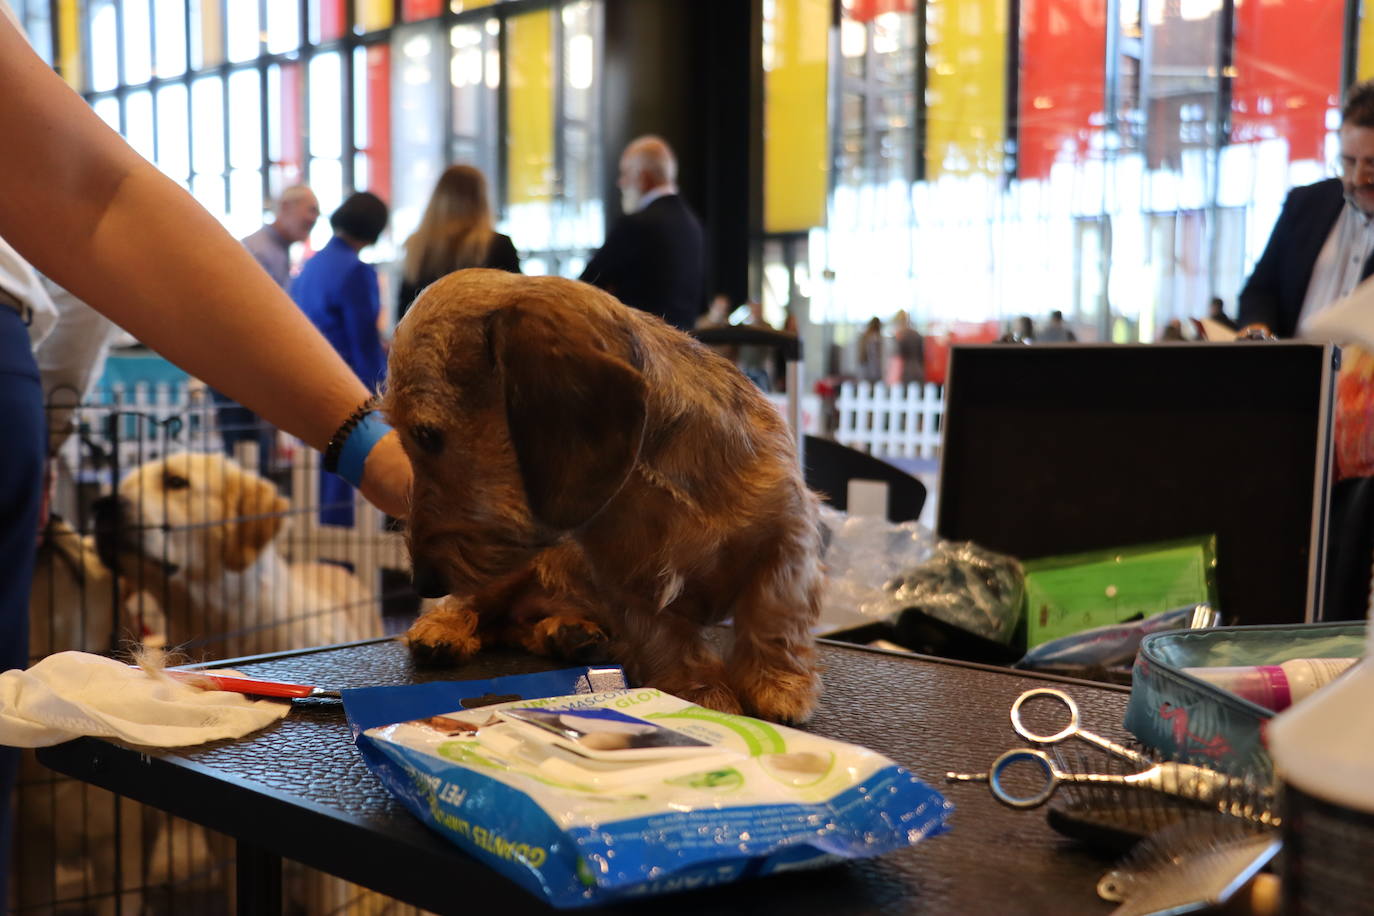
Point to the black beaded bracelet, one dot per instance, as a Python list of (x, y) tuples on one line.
[(336, 442)]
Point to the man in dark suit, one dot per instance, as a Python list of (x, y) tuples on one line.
[(653, 257), (1321, 245), (1321, 248)]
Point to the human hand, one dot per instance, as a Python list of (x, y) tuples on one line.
[(387, 476), (1255, 331)]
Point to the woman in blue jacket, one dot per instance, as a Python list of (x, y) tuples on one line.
[(339, 293)]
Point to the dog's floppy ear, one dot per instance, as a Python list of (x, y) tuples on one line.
[(257, 506), (575, 410)]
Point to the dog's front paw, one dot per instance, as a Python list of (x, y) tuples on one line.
[(573, 639), (788, 697), (447, 635)]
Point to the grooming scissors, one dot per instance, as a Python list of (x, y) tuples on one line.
[(1183, 780)]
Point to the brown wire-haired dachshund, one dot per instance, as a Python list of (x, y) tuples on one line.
[(590, 480)]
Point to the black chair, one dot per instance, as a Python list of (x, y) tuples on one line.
[(830, 467)]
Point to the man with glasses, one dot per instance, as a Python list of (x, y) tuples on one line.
[(1321, 246)]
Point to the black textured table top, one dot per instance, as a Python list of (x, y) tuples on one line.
[(300, 789)]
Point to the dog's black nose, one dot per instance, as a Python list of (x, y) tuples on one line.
[(429, 582)]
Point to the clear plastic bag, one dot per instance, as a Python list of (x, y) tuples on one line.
[(862, 555), (880, 570)]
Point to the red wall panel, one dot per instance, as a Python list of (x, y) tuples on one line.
[(379, 120), (292, 124), (1062, 79), (1287, 72), (868, 10), (414, 10), (331, 19)]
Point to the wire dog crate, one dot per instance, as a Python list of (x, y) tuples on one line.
[(180, 521)]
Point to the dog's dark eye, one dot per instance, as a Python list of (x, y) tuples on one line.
[(175, 482), (428, 438)]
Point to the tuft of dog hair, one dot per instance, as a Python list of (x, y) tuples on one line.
[(591, 481)]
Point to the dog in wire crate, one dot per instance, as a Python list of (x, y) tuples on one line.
[(200, 534)]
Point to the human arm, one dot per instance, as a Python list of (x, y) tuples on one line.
[(275, 262), (90, 213)]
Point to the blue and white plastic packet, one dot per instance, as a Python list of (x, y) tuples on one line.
[(595, 797)]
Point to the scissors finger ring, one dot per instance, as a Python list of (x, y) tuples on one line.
[(1029, 735), (1024, 755)]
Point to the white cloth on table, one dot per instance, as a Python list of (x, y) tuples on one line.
[(71, 694)]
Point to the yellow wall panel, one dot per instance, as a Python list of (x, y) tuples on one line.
[(371, 15), (529, 87), (795, 128), (966, 86), (1364, 65), (69, 43)]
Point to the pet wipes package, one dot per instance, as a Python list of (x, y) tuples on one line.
[(587, 799)]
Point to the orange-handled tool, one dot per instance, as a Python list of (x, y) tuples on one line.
[(213, 680)]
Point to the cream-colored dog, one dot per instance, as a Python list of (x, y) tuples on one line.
[(199, 533)]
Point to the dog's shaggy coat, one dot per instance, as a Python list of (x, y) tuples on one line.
[(587, 475)]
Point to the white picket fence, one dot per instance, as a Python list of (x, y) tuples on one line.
[(140, 434), (897, 421)]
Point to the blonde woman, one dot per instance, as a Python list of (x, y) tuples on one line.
[(455, 232)]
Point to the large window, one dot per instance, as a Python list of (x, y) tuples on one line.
[(475, 81), (35, 17), (1122, 162), (418, 72), (551, 177), (579, 220), (875, 159), (239, 99)]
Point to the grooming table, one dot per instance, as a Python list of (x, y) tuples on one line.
[(300, 790)]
